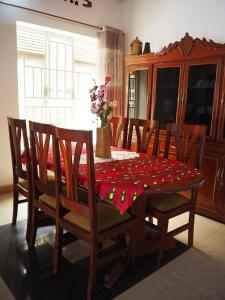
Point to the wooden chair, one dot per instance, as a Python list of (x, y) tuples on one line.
[(145, 131), (22, 179), (87, 218), (119, 126), (189, 142), (44, 200)]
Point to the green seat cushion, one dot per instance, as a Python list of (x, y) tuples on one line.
[(107, 216), (166, 202)]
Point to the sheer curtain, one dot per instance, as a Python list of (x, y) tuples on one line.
[(110, 62)]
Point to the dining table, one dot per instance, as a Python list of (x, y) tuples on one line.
[(126, 180)]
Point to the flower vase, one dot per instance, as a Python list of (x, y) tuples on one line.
[(103, 142)]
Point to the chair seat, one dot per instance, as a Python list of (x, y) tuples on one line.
[(166, 202), (24, 184), (51, 201), (107, 215), (82, 194)]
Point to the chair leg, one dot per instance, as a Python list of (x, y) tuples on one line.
[(57, 255), (192, 217), (133, 238), (33, 228), (29, 218), (191, 228), (92, 269), (163, 237), (15, 205)]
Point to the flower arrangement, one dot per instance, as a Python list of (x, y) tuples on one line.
[(99, 106)]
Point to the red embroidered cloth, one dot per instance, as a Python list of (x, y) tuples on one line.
[(122, 181)]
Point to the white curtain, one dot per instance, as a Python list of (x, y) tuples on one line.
[(110, 62)]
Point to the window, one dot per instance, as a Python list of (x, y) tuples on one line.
[(55, 71)]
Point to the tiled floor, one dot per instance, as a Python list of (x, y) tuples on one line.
[(199, 273)]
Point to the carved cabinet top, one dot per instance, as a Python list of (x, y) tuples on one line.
[(187, 48)]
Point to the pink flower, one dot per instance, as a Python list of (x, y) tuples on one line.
[(107, 79), (100, 94), (102, 87), (94, 109), (99, 105)]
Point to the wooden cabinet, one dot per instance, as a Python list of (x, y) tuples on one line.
[(186, 84)]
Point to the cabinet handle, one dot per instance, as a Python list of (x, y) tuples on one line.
[(183, 99), (221, 177), (222, 102), (218, 175), (179, 100)]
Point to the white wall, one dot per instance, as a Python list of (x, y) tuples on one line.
[(156, 21), (163, 21), (103, 12)]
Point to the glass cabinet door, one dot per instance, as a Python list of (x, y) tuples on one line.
[(166, 94), (200, 95), (138, 94), (221, 129)]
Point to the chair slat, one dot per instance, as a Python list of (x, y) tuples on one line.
[(146, 130), (119, 125)]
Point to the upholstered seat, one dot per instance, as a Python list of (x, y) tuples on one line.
[(24, 184), (51, 201), (107, 216), (167, 202)]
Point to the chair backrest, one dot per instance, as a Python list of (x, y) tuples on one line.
[(19, 146), (119, 124), (68, 152), (145, 131), (41, 137), (189, 141)]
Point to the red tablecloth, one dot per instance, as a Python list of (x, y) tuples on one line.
[(122, 181)]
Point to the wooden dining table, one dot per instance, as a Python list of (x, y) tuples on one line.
[(128, 182), (127, 179)]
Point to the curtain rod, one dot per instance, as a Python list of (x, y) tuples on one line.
[(51, 15)]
